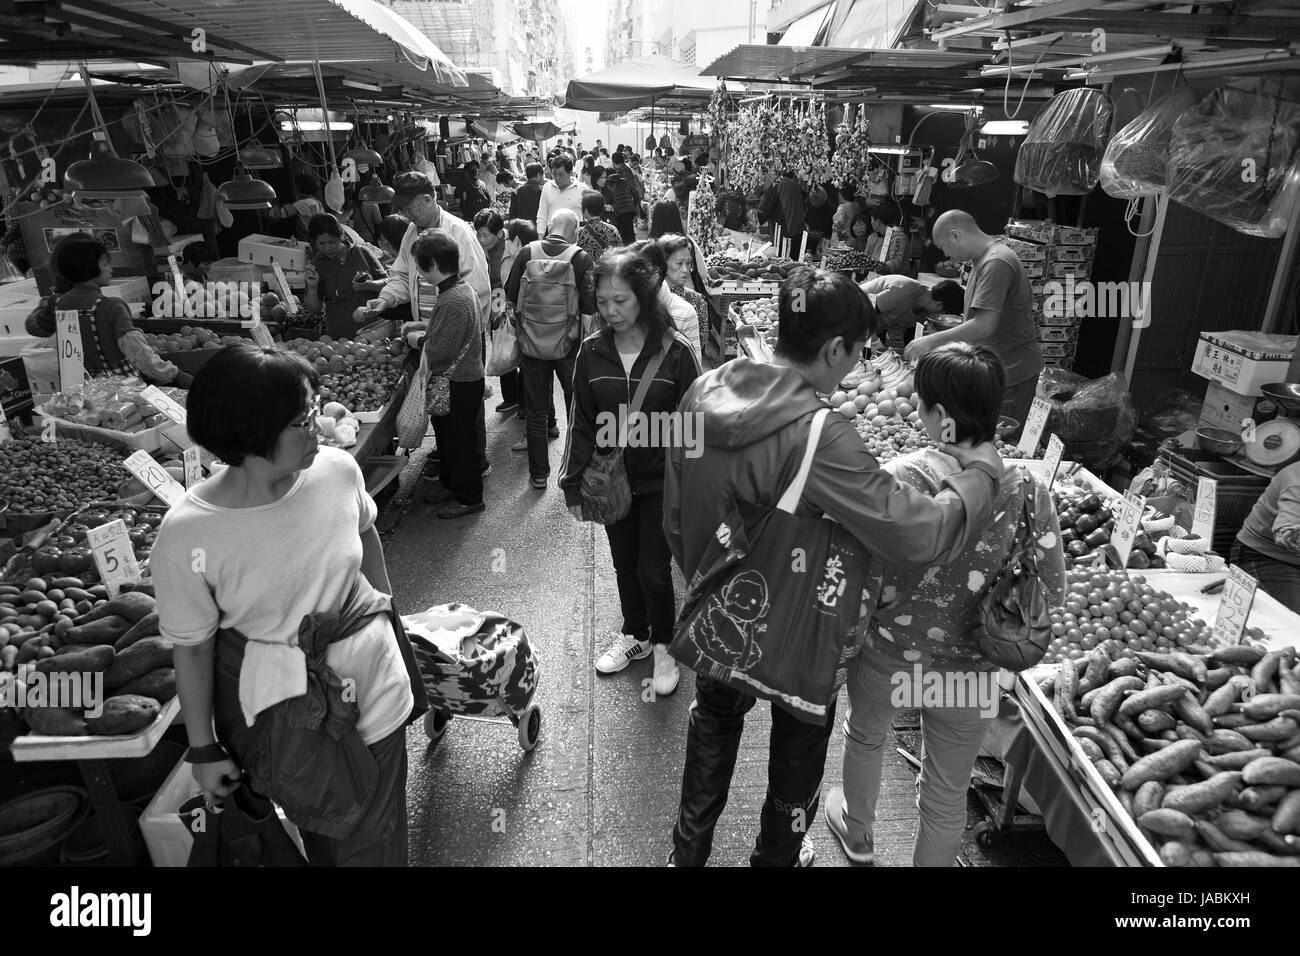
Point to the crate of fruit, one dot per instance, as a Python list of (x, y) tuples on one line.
[(40, 480), (1025, 251), (1035, 270), (1034, 230), (1074, 236), (1054, 318), (363, 388), (1058, 349), (1072, 253), (1080, 270), (1057, 334)]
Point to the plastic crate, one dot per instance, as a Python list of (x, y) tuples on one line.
[(1238, 490)]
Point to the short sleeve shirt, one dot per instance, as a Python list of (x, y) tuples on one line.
[(998, 282)]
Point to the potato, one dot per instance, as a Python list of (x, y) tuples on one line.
[(124, 714)]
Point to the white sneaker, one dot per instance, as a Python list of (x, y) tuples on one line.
[(666, 673), (622, 652)]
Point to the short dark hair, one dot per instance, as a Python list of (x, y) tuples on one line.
[(859, 218), (505, 178), (244, 397), (951, 296), (306, 184), (78, 256), (671, 243), (533, 170), (632, 266), (969, 382), (521, 230), (323, 224), (433, 247), (702, 157), (593, 203), (564, 160), (818, 306), (687, 164), (650, 251), (393, 228), (411, 183), (197, 253), (887, 215), (848, 192), (620, 159), (489, 219), (666, 217)]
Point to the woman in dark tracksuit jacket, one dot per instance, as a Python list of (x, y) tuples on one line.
[(608, 370)]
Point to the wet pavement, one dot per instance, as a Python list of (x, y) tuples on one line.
[(601, 788)]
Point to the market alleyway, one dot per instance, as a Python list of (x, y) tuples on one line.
[(601, 788)]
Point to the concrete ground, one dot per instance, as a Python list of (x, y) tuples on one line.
[(602, 787)]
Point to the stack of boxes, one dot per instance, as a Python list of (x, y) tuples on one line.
[(1053, 254)]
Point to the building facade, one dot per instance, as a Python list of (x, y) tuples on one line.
[(688, 31)]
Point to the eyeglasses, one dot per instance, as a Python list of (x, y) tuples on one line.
[(307, 422)]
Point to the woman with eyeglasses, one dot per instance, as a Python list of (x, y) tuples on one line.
[(272, 586)]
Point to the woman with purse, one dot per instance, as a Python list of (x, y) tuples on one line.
[(922, 648), (626, 378), (269, 571), (452, 359)]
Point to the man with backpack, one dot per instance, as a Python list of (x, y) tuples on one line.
[(625, 186), (550, 284)]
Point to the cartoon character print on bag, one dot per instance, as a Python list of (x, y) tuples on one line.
[(726, 633)]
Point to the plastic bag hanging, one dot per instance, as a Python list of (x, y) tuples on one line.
[(1233, 157), (1137, 156), (1061, 155)]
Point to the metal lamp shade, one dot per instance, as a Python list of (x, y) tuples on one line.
[(107, 177), (376, 193), (244, 192), (259, 157), (974, 173), (363, 156)]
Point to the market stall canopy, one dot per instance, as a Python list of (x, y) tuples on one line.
[(394, 83), (496, 131), (637, 82), (536, 131), (331, 31)]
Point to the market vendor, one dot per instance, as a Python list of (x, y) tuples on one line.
[(302, 209), (901, 302), (341, 276), (998, 304), (196, 261), (1268, 545), (110, 342), (887, 243)]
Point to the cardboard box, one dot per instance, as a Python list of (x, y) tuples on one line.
[(1025, 251), (1080, 270), (1067, 236), (1057, 334), (15, 392), (1057, 321), (129, 289), (1035, 230), (269, 250), (1035, 270), (1072, 253), (1224, 408), (1243, 361), (1058, 349)]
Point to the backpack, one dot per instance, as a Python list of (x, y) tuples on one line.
[(549, 322), (624, 193)]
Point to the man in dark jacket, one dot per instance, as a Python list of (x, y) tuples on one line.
[(783, 205), (536, 372), (523, 205), (625, 186), (755, 425)]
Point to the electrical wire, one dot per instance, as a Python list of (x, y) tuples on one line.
[(1006, 90)]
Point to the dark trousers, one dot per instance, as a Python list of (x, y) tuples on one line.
[(626, 223), (1016, 401), (1279, 579), (643, 567), (795, 763), (511, 388), (380, 837), (539, 390), (460, 447)]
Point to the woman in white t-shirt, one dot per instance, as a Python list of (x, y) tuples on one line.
[(249, 556)]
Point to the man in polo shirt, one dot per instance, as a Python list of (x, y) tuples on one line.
[(998, 304), (562, 192), (902, 302)]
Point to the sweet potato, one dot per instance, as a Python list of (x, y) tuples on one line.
[(1102, 740), (84, 660), (1090, 750), (1198, 797), (1219, 841), (1224, 741), (1176, 853), (1240, 825), (1223, 698), (1098, 668), (1108, 700), (56, 721), (124, 714), (1263, 707), (139, 659), (131, 605), (1120, 733), (1189, 710), (1288, 679), (1124, 667), (1203, 858), (1218, 677), (1255, 858), (1273, 731), (1162, 764), (1265, 670), (1152, 744), (147, 626), (1276, 843), (1067, 683), (1286, 818), (1170, 823), (104, 630), (1272, 770), (1237, 760), (1232, 721), (1257, 799), (159, 684), (1147, 797), (1108, 772), (1247, 655), (1154, 699), (1154, 721)]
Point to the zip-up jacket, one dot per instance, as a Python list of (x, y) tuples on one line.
[(600, 384)]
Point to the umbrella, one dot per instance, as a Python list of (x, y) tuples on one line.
[(636, 82)]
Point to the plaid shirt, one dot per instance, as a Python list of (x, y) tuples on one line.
[(596, 237)]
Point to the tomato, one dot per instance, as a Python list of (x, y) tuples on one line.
[(1126, 593), (46, 559), (1147, 618), (1088, 643), (1096, 611), (1109, 620), (1101, 634), (1164, 619), (1058, 628), (1074, 654), (1074, 607), (1074, 635), (75, 561)]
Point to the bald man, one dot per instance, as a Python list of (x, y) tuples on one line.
[(998, 309), (548, 339)]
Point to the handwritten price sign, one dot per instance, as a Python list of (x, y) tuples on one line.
[(1207, 494), (1034, 426), (114, 556), (1055, 452), (168, 406), (193, 466), (1128, 514), (72, 362), (154, 477), (1234, 606)]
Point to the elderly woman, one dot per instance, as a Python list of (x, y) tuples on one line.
[(272, 587), (679, 261), (341, 276)]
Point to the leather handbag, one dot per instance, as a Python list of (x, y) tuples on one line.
[(1014, 628), (438, 397), (606, 490)]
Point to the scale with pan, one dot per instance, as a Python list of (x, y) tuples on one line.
[(1277, 442)]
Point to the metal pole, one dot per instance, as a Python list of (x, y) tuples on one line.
[(1148, 270)]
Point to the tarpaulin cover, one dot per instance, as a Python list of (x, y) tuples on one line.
[(634, 83), (537, 131)]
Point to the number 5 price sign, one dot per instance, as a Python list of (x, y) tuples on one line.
[(114, 556), (1234, 606)]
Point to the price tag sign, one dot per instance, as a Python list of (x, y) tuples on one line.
[(72, 363), (803, 246), (193, 466), (154, 477), (290, 300), (1034, 426), (114, 555), (920, 329), (1128, 516), (5, 434), (1234, 606), (262, 336), (1207, 494), (1055, 452), (179, 280), (168, 406)]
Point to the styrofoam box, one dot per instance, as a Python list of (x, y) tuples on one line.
[(165, 834), (290, 254), (1243, 361), (129, 289)]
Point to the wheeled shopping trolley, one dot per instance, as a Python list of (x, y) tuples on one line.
[(476, 665)]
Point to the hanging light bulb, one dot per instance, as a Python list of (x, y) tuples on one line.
[(245, 192), (259, 157), (376, 192)]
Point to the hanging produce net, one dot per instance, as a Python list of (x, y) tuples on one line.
[(1061, 155), (1232, 157), (1137, 157)]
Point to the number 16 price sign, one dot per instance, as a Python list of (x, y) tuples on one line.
[(1234, 606)]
